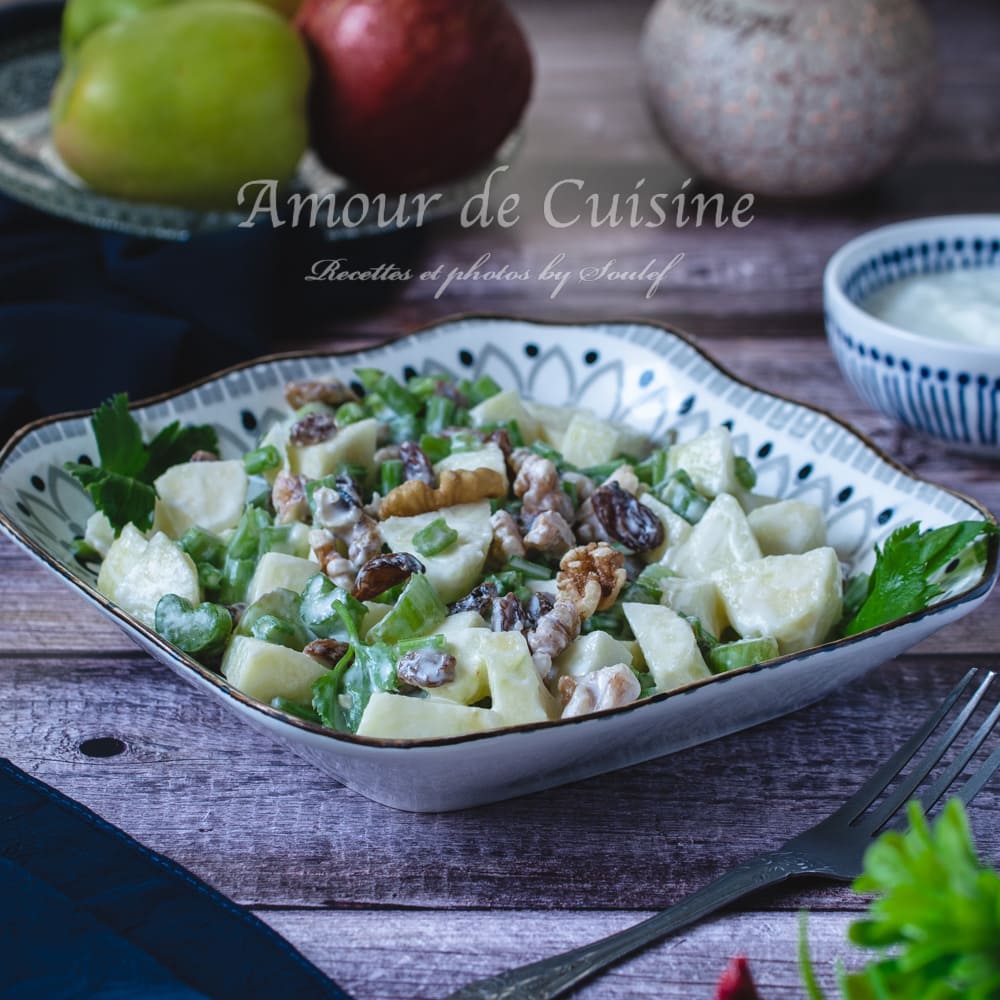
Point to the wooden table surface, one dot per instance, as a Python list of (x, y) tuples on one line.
[(406, 906)]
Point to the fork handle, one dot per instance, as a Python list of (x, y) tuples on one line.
[(551, 977)]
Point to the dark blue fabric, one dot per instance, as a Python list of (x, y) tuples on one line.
[(87, 911)]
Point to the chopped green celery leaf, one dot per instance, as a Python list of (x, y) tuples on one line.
[(653, 576), (742, 653), (121, 499), (465, 441), (368, 377), (902, 581), (855, 593), (289, 707), (318, 609), (679, 494), (435, 448), (261, 459), (570, 489), (483, 388), (601, 472), (271, 628), (326, 692), (407, 427), (350, 413), (373, 669), (236, 576), (119, 438), (507, 580), (423, 386), (653, 470), (435, 538), (746, 476), (647, 684), (637, 593), (706, 641), (84, 551), (246, 540), (199, 631), (437, 641), (203, 546), (121, 487), (546, 450), (175, 444), (529, 570), (389, 596), (314, 407), (209, 576), (276, 617), (440, 414), (612, 621), (418, 610), (390, 475)]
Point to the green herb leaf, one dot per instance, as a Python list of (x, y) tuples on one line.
[(120, 498), (903, 578), (119, 438), (175, 444)]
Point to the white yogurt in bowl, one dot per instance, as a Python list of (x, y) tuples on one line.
[(959, 305), (913, 319)]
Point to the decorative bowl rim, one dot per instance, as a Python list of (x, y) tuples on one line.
[(991, 570), (834, 277)]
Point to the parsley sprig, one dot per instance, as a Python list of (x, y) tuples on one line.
[(906, 574), (935, 920), (121, 486)]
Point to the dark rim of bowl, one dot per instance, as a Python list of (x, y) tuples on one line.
[(982, 588)]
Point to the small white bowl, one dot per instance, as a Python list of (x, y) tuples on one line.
[(944, 388)]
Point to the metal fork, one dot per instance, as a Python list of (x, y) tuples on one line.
[(833, 849)]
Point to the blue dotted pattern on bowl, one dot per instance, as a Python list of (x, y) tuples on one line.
[(956, 405)]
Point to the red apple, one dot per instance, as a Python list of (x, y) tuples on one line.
[(408, 93)]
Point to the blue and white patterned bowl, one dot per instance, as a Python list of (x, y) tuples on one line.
[(946, 389), (646, 375)]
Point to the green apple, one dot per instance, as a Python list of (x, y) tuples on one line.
[(83, 17), (184, 103)]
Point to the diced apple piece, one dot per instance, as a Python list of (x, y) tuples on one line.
[(789, 527), (518, 694), (374, 613), (542, 586), (506, 405), (275, 570), (490, 457), (675, 529), (668, 644), (698, 598), (460, 621), (277, 435), (632, 442), (589, 440), (635, 650), (454, 572), (795, 598), (209, 494), (590, 652), (552, 420), (136, 573), (354, 443), (264, 670), (396, 717), (98, 533), (471, 683), (722, 537), (709, 460)]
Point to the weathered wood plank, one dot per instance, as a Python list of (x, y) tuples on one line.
[(412, 956), (266, 828)]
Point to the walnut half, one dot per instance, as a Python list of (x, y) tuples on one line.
[(456, 486), (591, 577)]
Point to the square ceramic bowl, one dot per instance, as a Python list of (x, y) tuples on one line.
[(645, 375), (947, 389)]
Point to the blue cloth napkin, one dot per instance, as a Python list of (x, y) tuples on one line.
[(88, 912)]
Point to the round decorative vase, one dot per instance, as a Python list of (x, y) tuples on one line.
[(787, 98)]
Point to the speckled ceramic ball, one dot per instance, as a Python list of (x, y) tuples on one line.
[(787, 97)]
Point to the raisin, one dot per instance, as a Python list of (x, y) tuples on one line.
[(383, 572), (539, 605), (416, 465), (330, 651), (625, 519), (479, 599), (313, 428), (426, 668), (508, 615)]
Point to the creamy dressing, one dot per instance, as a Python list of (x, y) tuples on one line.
[(957, 306)]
